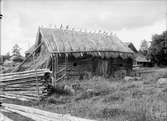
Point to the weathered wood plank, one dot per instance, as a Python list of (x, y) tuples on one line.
[(4, 118), (18, 67), (61, 78), (24, 72), (13, 97), (31, 93), (17, 96), (23, 82), (19, 77), (49, 115), (30, 115)]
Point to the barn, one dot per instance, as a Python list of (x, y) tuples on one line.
[(77, 54)]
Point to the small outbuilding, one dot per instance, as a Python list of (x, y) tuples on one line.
[(139, 59), (142, 61)]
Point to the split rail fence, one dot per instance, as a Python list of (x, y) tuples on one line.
[(26, 85)]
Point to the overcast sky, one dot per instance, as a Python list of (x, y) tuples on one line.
[(132, 21)]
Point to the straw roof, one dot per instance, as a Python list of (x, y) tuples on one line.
[(70, 41), (67, 40)]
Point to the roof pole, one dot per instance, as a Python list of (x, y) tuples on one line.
[(0, 36), (166, 30)]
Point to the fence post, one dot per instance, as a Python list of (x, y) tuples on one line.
[(66, 66), (37, 86)]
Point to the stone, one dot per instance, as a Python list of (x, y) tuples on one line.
[(162, 81)]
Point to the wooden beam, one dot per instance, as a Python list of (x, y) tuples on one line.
[(21, 76), (33, 111), (42, 114), (17, 67), (4, 118), (53, 62), (29, 115), (56, 67), (25, 72), (21, 82), (61, 78), (61, 70), (66, 62), (13, 97), (36, 76)]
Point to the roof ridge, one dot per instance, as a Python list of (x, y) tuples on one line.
[(108, 34)]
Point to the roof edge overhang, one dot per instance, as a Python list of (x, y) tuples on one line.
[(102, 53), (56, 52)]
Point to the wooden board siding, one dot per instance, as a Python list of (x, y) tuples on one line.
[(88, 66)]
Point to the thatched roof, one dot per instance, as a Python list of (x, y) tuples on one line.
[(69, 41)]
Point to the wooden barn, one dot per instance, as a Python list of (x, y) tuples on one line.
[(76, 54)]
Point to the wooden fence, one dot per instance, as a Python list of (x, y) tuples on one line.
[(26, 85)]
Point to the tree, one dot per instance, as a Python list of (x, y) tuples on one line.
[(157, 50), (144, 47), (16, 50), (8, 54)]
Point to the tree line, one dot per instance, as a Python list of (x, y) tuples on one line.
[(158, 50)]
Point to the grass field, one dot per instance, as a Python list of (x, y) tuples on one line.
[(103, 99), (114, 100)]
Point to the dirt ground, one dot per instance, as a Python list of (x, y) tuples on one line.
[(142, 99)]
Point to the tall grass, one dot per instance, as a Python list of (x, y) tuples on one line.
[(106, 100)]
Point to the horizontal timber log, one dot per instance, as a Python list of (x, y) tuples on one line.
[(29, 115), (18, 95), (21, 77), (49, 115), (26, 82), (22, 92), (18, 89), (25, 72), (29, 82), (13, 97), (28, 96), (4, 118)]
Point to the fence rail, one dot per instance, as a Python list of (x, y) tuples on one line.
[(30, 83)]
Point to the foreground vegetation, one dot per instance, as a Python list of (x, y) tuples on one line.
[(114, 100), (142, 99)]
